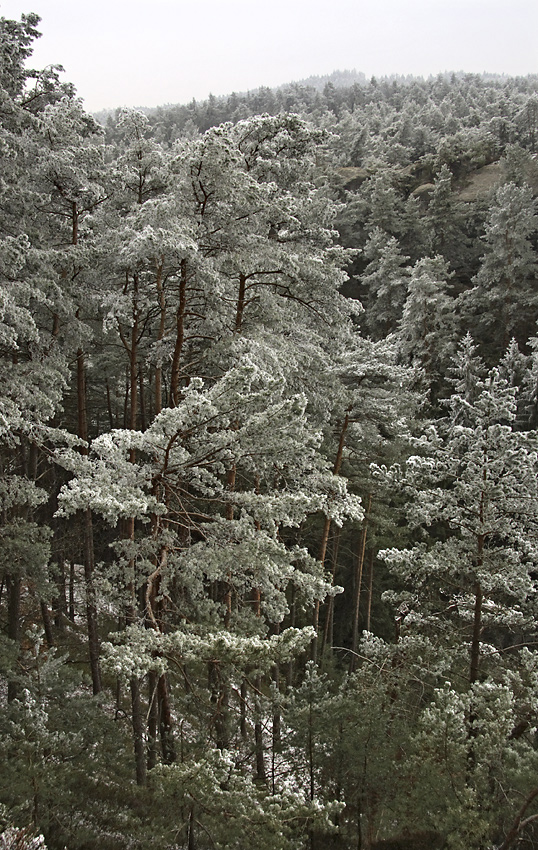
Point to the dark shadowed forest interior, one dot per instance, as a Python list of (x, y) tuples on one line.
[(268, 466)]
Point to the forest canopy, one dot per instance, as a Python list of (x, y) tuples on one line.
[(268, 466)]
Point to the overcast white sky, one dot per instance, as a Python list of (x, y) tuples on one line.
[(151, 52)]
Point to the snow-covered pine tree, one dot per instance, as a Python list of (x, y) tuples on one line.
[(386, 278), (503, 301), (469, 594)]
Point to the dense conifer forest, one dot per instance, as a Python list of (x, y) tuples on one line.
[(268, 466)]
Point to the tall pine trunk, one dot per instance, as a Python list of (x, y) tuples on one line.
[(87, 537), (357, 588), (325, 536)]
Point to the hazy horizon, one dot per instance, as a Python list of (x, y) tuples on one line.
[(167, 51)]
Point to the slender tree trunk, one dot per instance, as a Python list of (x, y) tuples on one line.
[(47, 623), (370, 590), (89, 560), (311, 768), (325, 535), (258, 734), (160, 337), (230, 486), (160, 710), (243, 708), (138, 721), (477, 620), (126, 400), (293, 613), (474, 665), (180, 335), (138, 732), (133, 359), (13, 623), (74, 220), (240, 303), (358, 584), (276, 730), (91, 607), (520, 822), (72, 591), (219, 687), (258, 727), (191, 840), (153, 719), (357, 602), (137, 716), (165, 721), (142, 393), (219, 700), (60, 601), (329, 617), (315, 617), (109, 405)]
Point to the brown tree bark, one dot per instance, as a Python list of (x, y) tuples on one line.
[(72, 591), (47, 623), (474, 665), (370, 590), (477, 620), (87, 535), (258, 735), (243, 708), (357, 589), (276, 730), (160, 337), (166, 725), (240, 309), (180, 335), (138, 732), (325, 535), (329, 616), (220, 692), (89, 560), (13, 623), (137, 715), (153, 719), (520, 823)]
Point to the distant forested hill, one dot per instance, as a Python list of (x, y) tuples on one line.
[(417, 160), (440, 106)]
